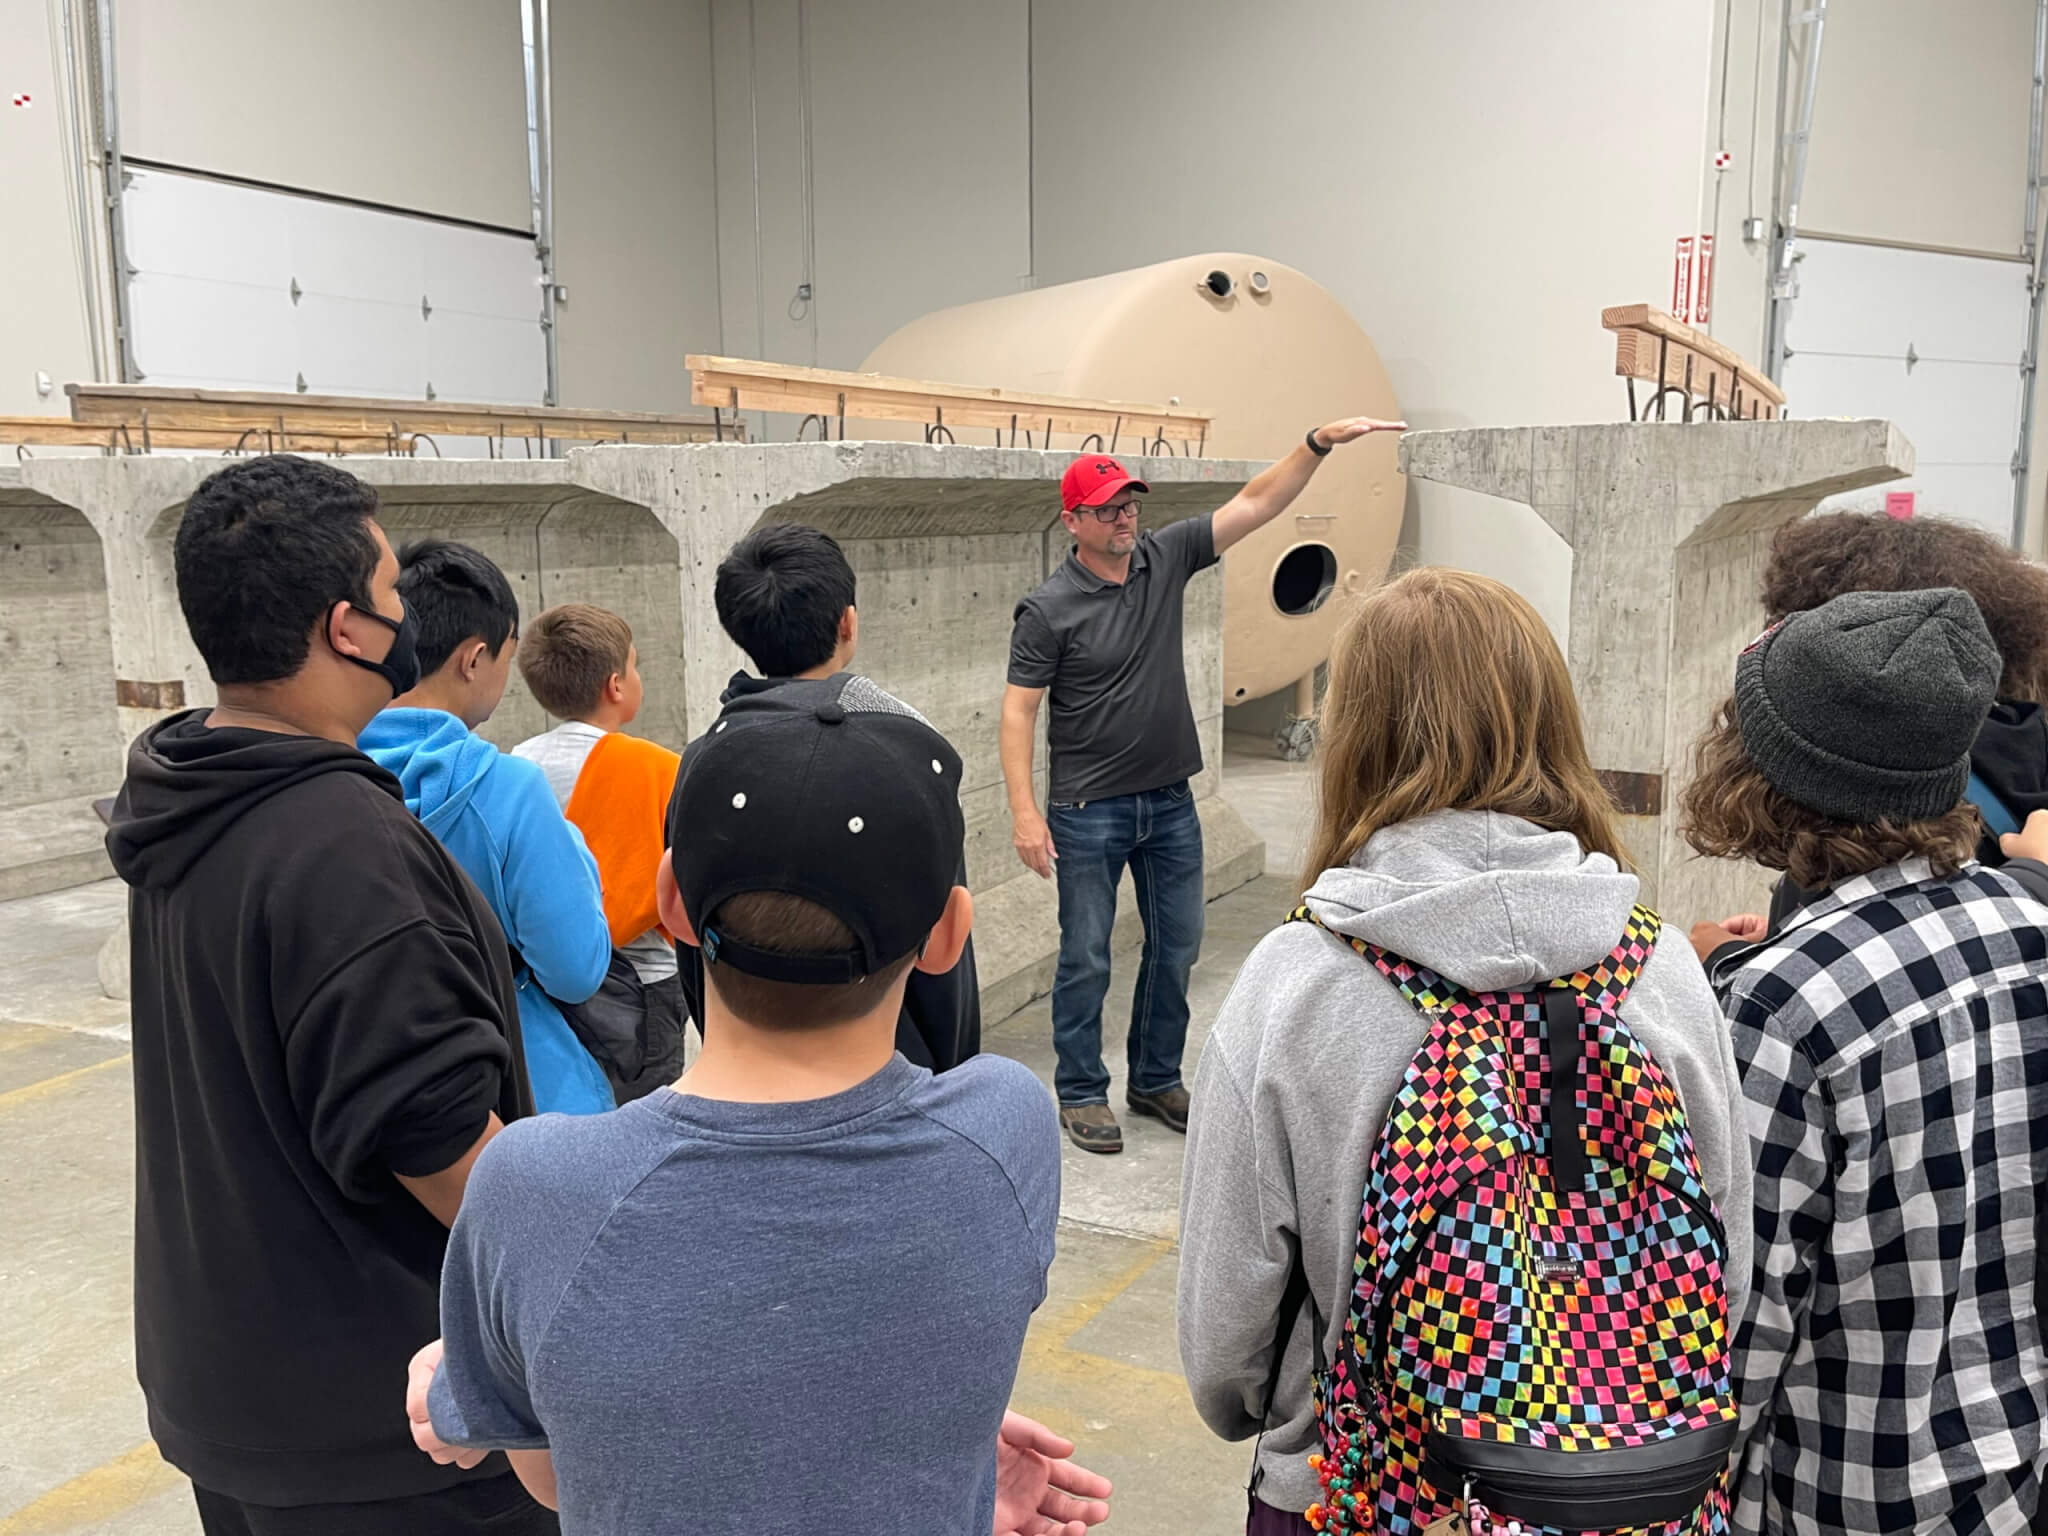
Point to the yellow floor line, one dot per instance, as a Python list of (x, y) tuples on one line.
[(92, 1498), (15, 1097), (1069, 1316)]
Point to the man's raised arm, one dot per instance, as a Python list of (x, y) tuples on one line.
[(1274, 489)]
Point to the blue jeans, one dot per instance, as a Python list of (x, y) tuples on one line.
[(1159, 835)]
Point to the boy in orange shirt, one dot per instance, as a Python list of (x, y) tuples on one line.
[(581, 665)]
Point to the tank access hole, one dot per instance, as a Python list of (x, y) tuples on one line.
[(1304, 578)]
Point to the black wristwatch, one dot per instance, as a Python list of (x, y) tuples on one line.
[(1320, 450)]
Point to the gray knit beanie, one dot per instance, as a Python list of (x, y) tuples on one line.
[(1865, 708)]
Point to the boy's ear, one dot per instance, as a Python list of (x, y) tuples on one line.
[(615, 693), (668, 901), (949, 935)]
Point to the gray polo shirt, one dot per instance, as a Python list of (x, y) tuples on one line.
[(1109, 657)]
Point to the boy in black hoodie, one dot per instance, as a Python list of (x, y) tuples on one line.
[(785, 596), (325, 1035)]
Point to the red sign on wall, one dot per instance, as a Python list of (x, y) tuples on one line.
[(1704, 289), (1681, 280), (1898, 504)]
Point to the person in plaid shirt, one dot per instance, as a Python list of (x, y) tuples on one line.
[(1889, 1362)]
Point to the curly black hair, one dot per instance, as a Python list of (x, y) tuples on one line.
[(264, 549), (1819, 558)]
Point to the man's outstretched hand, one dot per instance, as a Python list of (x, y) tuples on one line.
[(419, 1376), (1351, 428), (1038, 1491)]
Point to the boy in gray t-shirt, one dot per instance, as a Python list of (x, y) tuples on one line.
[(790, 1292)]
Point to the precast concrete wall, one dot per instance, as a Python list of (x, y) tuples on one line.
[(944, 540), (58, 737)]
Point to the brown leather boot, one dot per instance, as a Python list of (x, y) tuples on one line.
[(1092, 1127), (1168, 1104)]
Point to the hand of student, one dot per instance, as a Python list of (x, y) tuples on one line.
[(1038, 1491), (1351, 428), (1033, 839), (419, 1376), (1743, 928), (2030, 842)]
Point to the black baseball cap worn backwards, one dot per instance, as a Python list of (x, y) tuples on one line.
[(856, 810)]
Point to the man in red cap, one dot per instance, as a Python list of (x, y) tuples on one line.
[(1102, 635)]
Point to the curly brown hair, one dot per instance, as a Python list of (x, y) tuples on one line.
[(1730, 811), (1822, 557)]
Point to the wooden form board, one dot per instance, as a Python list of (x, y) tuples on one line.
[(137, 407), (738, 384), (1650, 344), (57, 432)]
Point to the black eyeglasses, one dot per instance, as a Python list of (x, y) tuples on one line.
[(1111, 514)]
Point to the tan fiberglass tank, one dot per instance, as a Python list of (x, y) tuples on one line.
[(1269, 356)]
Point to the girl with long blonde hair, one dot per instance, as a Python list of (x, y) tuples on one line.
[(1462, 826)]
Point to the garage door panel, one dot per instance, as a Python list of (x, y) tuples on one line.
[(194, 334), (484, 357), (213, 306), (1861, 309), (187, 226), (1874, 299), (356, 252), (362, 347), (1951, 412), (462, 269)]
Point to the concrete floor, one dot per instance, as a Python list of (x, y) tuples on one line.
[(1277, 800), (1100, 1362)]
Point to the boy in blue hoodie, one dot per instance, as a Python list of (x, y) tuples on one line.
[(494, 812)]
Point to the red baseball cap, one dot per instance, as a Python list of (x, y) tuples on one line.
[(1093, 479)]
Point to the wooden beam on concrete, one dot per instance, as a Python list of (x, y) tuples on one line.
[(207, 410), (1650, 344), (731, 383), (58, 432)]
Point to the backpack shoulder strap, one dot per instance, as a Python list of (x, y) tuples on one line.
[(1606, 984), (1427, 991)]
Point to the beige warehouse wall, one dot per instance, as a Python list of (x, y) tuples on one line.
[(920, 166), (1920, 128), (418, 107), (42, 302), (1475, 183), (636, 224)]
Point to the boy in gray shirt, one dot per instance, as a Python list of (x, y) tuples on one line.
[(791, 1291)]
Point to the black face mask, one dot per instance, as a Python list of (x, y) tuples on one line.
[(401, 664)]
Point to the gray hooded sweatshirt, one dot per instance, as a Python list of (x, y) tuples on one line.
[(1312, 1043)]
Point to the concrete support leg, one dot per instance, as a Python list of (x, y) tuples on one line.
[(1670, 528)]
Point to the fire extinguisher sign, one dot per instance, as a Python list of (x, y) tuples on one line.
[(1681, 281)]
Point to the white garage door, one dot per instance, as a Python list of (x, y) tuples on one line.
[(240, 287), (1930, 341)]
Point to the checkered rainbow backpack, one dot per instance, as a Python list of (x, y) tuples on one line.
[(1538, 1338)]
